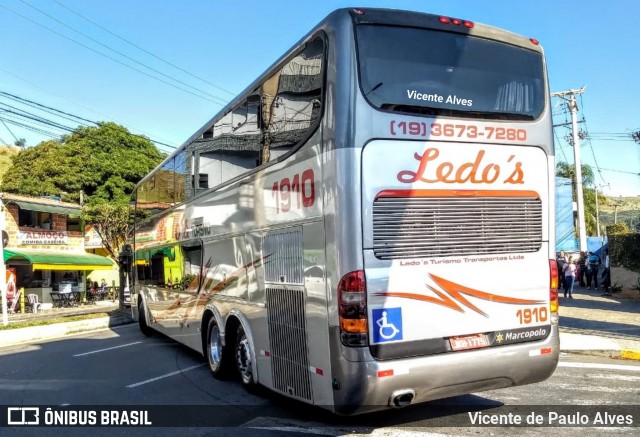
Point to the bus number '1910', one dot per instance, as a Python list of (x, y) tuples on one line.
[(301, 187), (534, 315)]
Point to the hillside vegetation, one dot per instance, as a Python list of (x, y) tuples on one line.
[(6, 152), (628, 211)]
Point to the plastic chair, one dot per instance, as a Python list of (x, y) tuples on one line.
[(34, 303)]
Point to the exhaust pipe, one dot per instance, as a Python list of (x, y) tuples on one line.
[(402, 398)]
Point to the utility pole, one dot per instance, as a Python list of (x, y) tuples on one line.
[(597, 209), (615, 211), (570, 98)]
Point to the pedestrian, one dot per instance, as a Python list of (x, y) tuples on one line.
[(593, 263), (582, 268), (569, 277), (561, 260), (606, 274)]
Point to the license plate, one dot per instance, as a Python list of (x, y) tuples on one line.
[(468, 342)]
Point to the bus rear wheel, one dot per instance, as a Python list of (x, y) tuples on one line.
[(244, 362), (142, 321), (218, 355)]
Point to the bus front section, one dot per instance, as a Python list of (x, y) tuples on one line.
[(457, 171)]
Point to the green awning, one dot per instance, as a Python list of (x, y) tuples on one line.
[(55, 209), (146, 255), (59, 260)]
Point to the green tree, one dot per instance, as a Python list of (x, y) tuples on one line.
[(113, 223), (566, 170), (104, 162)]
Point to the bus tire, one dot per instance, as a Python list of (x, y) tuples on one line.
[(218, 356), (142, 321), (244, 365)]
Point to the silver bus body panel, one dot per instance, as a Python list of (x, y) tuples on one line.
[(439, 376), (336, 238)]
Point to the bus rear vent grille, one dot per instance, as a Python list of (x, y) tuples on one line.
[(285, 262), (417, 227), (288, 342)]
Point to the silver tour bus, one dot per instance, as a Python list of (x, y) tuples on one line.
[(369, 224)]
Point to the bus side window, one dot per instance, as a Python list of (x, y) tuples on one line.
[(182, 177), (147, 195), (230, 148), (295, 110)]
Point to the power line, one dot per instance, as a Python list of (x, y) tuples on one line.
[(622, 171), (33, 117), (114, 59), (561, 149), (32, 128), (142, 49), (618, 134), (14, 137), (45, 108), (83, 106), (120, 53), (50, 123), (69, 129), (595, 161)]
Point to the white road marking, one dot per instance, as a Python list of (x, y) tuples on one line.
[(108, 349), (628, 378), (600, 366), (165, 376)]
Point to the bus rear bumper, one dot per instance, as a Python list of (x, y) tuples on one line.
[(372, 385)]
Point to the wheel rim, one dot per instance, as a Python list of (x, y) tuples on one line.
[(243, 359), (215, 346)]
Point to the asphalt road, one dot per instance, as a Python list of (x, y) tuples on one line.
[(122, 367)]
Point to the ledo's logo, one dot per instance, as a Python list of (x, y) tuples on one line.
[(479, 171)]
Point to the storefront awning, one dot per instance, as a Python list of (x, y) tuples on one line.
[(59, 260), (43, 207)]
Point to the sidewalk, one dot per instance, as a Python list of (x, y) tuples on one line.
[(594, 324), (589, 324), (113, 316)]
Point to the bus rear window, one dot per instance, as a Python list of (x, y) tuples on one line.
[(421, 71)]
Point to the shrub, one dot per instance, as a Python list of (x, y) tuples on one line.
[(624, 250), (617, 228)]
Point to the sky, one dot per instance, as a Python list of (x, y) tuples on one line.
[(97, 59)]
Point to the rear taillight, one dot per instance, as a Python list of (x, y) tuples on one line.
[(352, 309), (553, 286)]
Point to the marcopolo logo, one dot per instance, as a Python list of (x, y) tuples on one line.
[(23, 416), (520, 335), (525, 335)]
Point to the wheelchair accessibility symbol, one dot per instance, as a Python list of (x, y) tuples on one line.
[(388, 324)]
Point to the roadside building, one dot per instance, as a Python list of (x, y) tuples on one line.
[(566, 240), (93, 244), (45, 246)]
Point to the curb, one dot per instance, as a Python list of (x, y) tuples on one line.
[(623, 354), (574, 342), (20, 336), (628, 354)]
